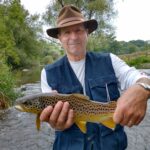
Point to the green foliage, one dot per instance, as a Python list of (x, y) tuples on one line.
[(138, 43), (50, 52), (109, 44), (19, 42), (47, 60), (139, 59), (7, 83)]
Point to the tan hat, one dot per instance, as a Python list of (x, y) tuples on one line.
[(68, 16)]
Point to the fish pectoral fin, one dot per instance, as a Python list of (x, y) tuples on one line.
[(38, 123), (109, 123), (81, 125)]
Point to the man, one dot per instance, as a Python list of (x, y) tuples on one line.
[(99, 76)]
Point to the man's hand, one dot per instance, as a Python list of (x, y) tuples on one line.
[(60, 117), (131, 106)]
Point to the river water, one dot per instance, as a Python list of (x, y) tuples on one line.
[(18, 131)]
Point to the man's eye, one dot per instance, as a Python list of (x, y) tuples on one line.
[(80, 30), (67, 32)]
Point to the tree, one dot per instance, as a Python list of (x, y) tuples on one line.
[(19, 41), (7, 83), (7, 43)]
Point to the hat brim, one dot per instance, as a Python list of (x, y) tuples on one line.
[(91, 25)]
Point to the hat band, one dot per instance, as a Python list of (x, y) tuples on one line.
[(69, 20)]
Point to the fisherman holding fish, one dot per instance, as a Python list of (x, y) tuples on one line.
[(101, 77)]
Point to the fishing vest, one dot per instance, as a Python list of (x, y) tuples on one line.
[(100, 80)]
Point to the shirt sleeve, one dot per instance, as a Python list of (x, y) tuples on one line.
[(125, 74), (44, 85)]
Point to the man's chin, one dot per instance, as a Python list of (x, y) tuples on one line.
[(77, 53)]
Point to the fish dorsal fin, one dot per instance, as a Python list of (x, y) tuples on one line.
[(81, 125), (81, 96), (109, 123)]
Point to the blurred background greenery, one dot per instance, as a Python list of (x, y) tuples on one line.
[(24, 48)]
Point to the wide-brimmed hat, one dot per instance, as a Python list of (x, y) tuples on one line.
[(70, 15)]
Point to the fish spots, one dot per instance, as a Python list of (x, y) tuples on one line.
[(77, 102)]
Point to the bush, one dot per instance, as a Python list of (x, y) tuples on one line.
[(7, 83), (139, 61), (47, 60)]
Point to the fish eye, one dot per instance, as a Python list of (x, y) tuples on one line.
[(28, 103)]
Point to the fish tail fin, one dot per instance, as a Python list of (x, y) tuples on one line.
[(109, 123)]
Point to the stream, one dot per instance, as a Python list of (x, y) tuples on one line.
[(18, 130)]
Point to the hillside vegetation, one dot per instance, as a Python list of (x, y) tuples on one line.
[(140, 59)]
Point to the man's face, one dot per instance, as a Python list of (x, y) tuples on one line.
[(74, 39)]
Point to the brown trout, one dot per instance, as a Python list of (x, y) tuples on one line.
[(85, 110)]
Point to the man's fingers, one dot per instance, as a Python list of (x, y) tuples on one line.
[(60, 117), (65, 119), (46, 113), (139, 118), (132, 121), (70, 119), (63, 114), (55, 113)]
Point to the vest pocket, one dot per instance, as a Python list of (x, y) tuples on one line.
[(103, 88), (67, 140)]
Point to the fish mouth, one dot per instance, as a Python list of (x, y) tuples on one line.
[(24, 109), (18, 107)]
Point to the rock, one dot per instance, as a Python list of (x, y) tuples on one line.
[(25, 70)]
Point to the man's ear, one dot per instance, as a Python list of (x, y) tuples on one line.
[(59, 34), (59, 37), (59, 40)]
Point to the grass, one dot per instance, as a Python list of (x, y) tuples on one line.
[(138, 59), (7, 84)]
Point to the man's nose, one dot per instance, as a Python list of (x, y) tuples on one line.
[(73, 35)]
